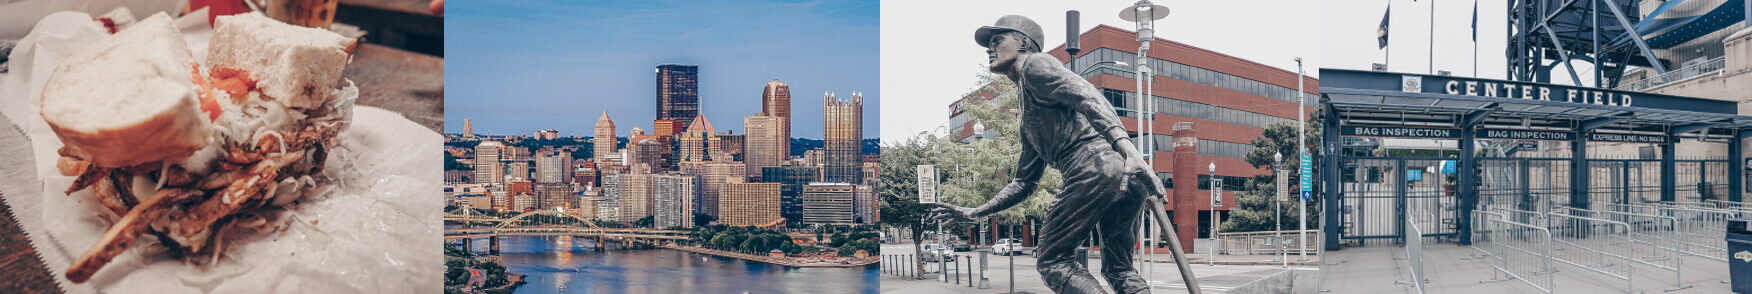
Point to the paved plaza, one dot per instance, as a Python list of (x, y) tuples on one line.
[(1452, 268), (1231, 272)]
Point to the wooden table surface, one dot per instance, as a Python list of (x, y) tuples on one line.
[(408, 83)]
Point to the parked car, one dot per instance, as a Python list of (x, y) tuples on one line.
[(960, 245), (1007, 246), (938, 252)]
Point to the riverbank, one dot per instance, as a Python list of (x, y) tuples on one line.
[(786, 261)]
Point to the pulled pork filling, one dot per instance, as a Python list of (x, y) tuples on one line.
[(267, 155)]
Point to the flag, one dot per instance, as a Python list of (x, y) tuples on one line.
[(1475, 21), (1381, 33)]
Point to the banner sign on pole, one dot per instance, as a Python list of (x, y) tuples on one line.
[(927, 183), (1307, 175)]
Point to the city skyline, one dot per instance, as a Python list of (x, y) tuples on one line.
[(606, 60)]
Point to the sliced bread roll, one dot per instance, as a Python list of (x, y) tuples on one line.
[(132, 98), (296, 65)]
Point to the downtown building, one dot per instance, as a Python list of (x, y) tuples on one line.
[(635, 197), (763, 140), (832, 203), (792, 179), (749, 204), (487, 165), (1207, 108), (673, 200), (605, 140), (842, 136), (698, 143), (608, 207), (775, 100), (717, 175), (556, 195), (678, 93), (553, 167)]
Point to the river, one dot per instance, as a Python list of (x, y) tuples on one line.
[(572, 265)]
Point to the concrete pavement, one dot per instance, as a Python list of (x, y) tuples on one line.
[(1220, 278), (1374, 269)]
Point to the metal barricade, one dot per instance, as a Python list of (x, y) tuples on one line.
[(1652, 241), (1701, 231), (1724, 204), (1597, 245), (1414, 248), (1262, 242), (1525, 253)]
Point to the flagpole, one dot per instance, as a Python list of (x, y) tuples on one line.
[(1432, 37)]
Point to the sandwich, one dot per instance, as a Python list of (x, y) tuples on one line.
[(183, 155)]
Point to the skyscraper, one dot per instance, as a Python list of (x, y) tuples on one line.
[(696, 141), (775, 100), (843, 135), (672, 200), (678, 92), (605, 138), (762, 142)]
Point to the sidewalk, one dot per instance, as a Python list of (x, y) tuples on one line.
[(1227, 276)]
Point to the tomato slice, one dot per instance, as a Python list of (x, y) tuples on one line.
[(209, 104)]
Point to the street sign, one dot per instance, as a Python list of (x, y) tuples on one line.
[(927, 183), (1307, 194), (1216, 192)]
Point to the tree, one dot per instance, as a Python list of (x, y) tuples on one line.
[(900, 205), (451, 163), (645, 222), (701, 219), (1254, 205), (976, 171)]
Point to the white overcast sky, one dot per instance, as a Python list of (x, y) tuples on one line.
[(929, 58), (1348, 37)]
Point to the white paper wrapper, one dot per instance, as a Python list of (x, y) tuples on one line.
[(374, 228)]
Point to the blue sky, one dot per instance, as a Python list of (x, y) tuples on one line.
[(516, 67)]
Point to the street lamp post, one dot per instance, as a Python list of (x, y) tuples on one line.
[(1302, 206), (1214, 228), (1144, 15)]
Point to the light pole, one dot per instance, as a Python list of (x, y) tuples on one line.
[(1302, 206), (1144, 15), (1277, 214), (1214, 194)]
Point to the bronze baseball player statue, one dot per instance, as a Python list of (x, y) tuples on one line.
[(1067, 125)]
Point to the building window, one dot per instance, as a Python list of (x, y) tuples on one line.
[(1184, 72), (1229, 183)]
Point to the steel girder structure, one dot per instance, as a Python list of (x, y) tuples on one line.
[(1545, 34)]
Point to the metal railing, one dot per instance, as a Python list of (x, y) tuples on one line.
[(1524, 253), (1261, 243), (1701, 232), (1651, 240), (1597, 245), (1713, 65), (1413, 239)]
